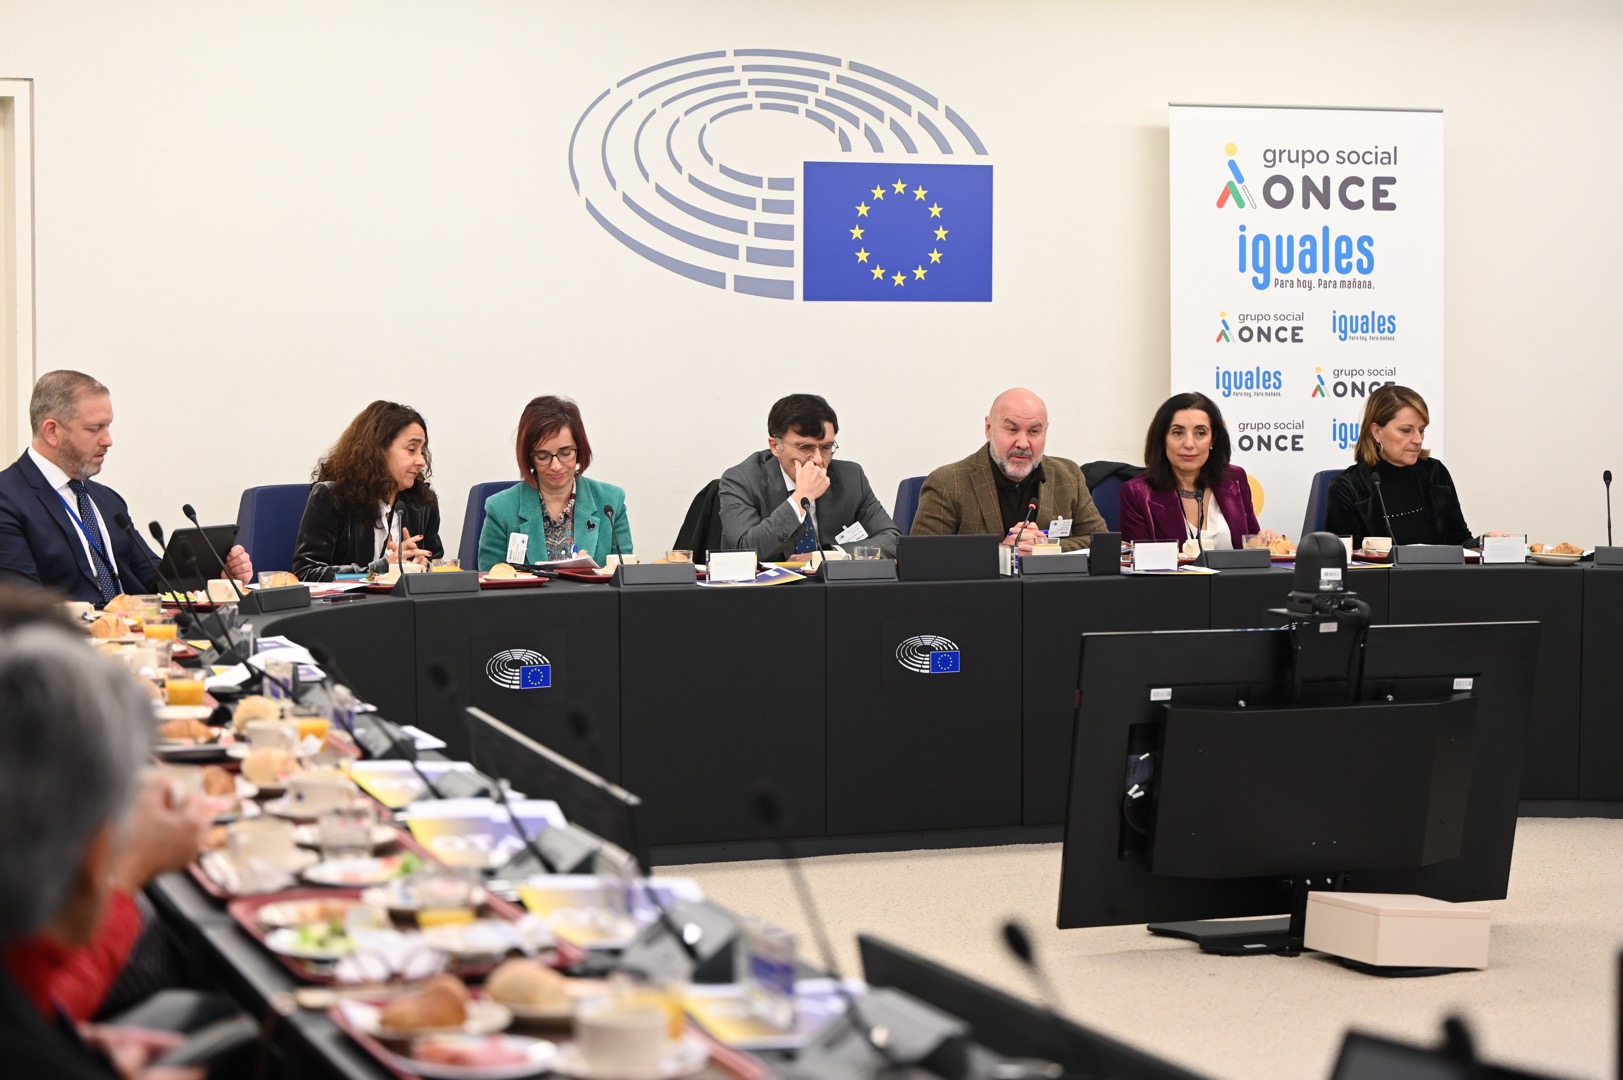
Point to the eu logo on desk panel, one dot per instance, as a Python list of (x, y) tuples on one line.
[(519, 669), (703, 166), (929, 654)]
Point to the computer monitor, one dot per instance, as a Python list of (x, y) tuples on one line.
[(1132, 686), (187, 563), (588, 800), (1005, 1024)]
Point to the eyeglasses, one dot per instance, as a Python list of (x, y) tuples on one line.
[(543, 458), (826, 449)]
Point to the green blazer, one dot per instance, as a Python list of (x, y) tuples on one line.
[(518, 510)]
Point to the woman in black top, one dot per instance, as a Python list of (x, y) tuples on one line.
[(369, 487), (1397, 488)]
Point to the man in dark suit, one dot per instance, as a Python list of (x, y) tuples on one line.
[(58, 528), (764, 498)]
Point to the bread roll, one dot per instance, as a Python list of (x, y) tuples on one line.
[(529, 984), (268, 766), (254, 707), (441, 1003), (501, 570), (216, 781), (122, 604), (186, 728), (108, 626)]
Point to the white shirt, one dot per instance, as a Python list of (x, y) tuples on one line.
[(59, 482), (1216, 535), (382, 530), (789, 482)]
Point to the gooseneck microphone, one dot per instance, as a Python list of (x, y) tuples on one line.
[(401, 745), (230, 652), (1375, 475), (400, 541), (191, 515), (614, 533), (1031, 512), (1018, 943), (122, 520), (1606, 478)]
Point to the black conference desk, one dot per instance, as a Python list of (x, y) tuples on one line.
[(693, 695)]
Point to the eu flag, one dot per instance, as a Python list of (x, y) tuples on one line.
[(943, 663), (898, 231), (535, 677)]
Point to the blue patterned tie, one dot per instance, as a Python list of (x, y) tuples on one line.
[(808, 538), (87, 517)]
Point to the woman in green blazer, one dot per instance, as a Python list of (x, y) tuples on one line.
[(556, 511)]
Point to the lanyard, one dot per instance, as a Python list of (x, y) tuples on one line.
[(95, 548)]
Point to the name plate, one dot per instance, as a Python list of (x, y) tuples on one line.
[(1229, 559), (732, 566), (1155, 556), (1503, 549)]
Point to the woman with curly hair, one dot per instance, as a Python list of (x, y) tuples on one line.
[(369, 487)]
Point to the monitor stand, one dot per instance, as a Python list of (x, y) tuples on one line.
[(1236, 937)]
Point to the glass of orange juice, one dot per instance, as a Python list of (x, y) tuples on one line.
[(313, 722), (159, 628), (184, 690)]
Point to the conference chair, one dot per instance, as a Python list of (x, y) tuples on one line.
[(1318, 501), (268, 523), (1104, 480), (473, 521), (907, 503), (701, 528)]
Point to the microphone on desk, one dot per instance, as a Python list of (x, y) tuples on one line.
[(191, 515), (614, 534), (768, 803), (1606, 478), (811, 524), (1019, 944), (1376, 477), (229, 653)]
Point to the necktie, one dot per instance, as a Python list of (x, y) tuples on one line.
[(808, 537), (92, 527)]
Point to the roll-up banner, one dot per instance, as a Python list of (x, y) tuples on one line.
[(1307, 271)]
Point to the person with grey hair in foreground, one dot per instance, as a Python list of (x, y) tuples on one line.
[(75, 731)]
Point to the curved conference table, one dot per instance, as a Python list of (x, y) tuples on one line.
[(692, 695)]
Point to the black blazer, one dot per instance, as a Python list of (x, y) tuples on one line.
[(39, 543), (330, 542), (1355, 509)]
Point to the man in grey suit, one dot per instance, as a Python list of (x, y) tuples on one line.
[(765, 498)]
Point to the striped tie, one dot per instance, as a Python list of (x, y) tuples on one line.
[(92, 526)]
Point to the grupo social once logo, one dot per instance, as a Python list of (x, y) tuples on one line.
[(929, 654), (519, 669)]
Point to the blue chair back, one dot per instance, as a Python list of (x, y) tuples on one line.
[(907, 503), (473, 520), (268, 523), (1318, 501), (1107, 497)]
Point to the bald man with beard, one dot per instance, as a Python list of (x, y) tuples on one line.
[(989, 491)]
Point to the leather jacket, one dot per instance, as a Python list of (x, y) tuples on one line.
[(331, 542)]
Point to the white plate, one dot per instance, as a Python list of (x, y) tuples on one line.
[(349, 873), (484, 1018), (310, 836), (183, 712), (539, 1055), (285, 941), (684, 1057), (286, 808), (488, 937), (391, 897), (289, 913), (1549, 558), (221, 869)]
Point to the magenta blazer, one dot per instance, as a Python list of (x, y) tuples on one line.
[(1148, 514)]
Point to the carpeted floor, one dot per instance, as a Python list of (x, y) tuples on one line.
[(1548, 1002)]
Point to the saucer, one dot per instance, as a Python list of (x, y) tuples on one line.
[(683, 1057)]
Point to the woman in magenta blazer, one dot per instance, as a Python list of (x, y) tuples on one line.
[(1188, 483)]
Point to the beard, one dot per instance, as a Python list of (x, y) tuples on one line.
[(79, 466), (1016, 466)]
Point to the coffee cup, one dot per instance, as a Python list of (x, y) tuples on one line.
[(271, 735), (262, 839), (78, 610), (617, 1036), (312, 794), (1378, 545)]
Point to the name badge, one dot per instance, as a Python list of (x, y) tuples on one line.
[(518, 544), (1059, 528), (851, 533)]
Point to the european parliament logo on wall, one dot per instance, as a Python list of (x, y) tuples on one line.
[(789, 174), (929, 654), (519, 669)]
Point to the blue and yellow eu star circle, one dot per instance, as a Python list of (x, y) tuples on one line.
[(897, 231)]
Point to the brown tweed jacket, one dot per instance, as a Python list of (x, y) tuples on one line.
[(962, 498)]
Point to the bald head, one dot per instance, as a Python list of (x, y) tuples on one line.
[(1016, 431)]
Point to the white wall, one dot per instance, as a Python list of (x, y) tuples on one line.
[(253, 218)]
